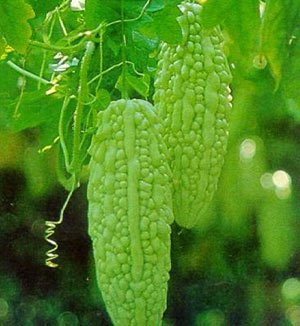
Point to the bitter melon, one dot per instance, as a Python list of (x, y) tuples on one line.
[(192, 98), (130, 212)]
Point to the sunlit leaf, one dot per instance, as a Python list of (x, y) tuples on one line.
[(14, 25), (275, 33), (242, 25), (2, 48), (273, 36)]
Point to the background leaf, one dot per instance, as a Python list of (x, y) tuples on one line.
[(276, 33), (242, 25), (215, 11), (42, 7), (290, 80), (166, 24), (97, 11)]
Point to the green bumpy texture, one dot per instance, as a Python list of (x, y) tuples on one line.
[(192, 98), (130, 212)]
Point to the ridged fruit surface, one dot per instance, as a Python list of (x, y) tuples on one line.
[(192, 99), (130, 212)]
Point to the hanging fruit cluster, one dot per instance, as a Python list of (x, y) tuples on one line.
[(146, 160)]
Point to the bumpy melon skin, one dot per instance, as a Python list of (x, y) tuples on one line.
[(130, 212), (192, 99)]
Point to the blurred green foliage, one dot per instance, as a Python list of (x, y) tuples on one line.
[(241, 265)]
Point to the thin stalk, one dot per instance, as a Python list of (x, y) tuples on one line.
[(117, 65), (56, 48), (17, 107), (27, 73), (42, 69), (83, 92), (62, 25), (124, 68), (100, 60), (105, 72), (61, 132)]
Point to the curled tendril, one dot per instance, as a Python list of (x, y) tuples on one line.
[(51, 255), (50, 230)]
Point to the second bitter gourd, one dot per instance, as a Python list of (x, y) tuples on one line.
[(192, 99)]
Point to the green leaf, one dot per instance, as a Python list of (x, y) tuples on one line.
[(166, 24), (114, 46), (97, 11), (139, 48), (147, 28), (144, 42), (215, 11), (36, 108), (42, 7), (36, 111), (133, 84), (102, 99), (133, 8), (13, 24), (140, 85), (155, 5)]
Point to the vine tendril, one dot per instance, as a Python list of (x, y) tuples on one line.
[(131, 19), (50, 230), (117, 65)]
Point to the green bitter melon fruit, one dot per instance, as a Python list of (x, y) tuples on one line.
[(130, 212), (192, 98)]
